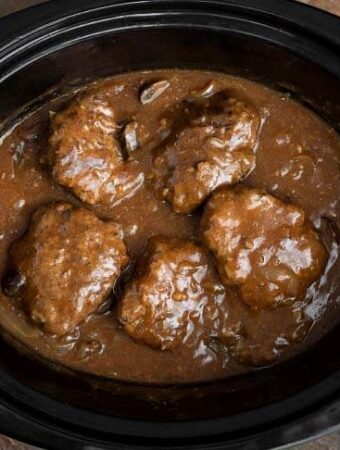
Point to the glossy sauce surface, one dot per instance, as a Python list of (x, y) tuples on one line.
[(297, 159)]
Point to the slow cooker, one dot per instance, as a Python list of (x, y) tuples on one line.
[(52, 48)]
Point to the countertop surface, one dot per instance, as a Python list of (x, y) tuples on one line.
[(331, 442)]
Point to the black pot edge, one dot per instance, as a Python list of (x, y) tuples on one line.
[(22, 24)]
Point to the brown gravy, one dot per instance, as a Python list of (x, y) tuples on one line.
[(297, 158)]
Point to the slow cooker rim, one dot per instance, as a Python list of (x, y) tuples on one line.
[(12, 43)]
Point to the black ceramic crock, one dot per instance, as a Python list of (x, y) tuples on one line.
[(53, 47)]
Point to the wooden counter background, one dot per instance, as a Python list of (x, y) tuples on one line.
[(331, 442)]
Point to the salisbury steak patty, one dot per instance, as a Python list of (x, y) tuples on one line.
[(86, 156), (174, 295), (214, 147), (69, 261), (264, 246)]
